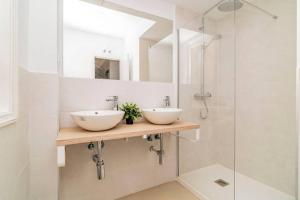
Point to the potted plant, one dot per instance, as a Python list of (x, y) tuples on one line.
[(132, 112)]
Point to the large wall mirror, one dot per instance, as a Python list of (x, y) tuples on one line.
[(109, 41)]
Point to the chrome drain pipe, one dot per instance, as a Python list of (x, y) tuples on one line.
[(97, 158), (159, 151)]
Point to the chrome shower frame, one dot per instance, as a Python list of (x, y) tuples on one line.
[(245, 2)]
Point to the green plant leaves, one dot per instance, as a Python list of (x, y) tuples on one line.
[(132, 111)]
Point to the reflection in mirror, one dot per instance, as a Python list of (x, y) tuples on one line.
[(107, 69), (158, 68), (110, 41)]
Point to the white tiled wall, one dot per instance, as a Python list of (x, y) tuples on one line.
[(43, 128), (130, 167), (14, 152), (14, 168)]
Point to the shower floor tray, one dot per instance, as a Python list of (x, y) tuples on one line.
[(204, 184)]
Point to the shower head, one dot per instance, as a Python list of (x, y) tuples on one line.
[(230, 5)]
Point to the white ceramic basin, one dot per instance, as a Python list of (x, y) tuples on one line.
[(162, 115), (97, 120)]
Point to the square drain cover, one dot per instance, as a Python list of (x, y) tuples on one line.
[(221, 183)]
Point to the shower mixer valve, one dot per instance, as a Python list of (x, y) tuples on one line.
[(201, 96)]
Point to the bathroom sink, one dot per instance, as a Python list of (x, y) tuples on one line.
[(97, 120), (162, 115)]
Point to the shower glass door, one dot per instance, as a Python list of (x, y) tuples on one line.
[(237, 79), (206, 94), (266, 140)]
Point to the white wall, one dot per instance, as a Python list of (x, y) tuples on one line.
[(188, 19), (132, 53), (160, 63), (14, 148), (156, 61), (81, 48), (28, 169), (298, 94), (130, 167), (155, 7), (42, 36), (144, 45), (6, 38), (38, 56)]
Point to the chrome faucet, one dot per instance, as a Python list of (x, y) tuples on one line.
[(115, 100), (167, 101)]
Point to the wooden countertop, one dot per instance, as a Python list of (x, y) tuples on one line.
[(69, 136)]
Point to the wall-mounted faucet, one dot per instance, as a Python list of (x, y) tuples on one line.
[(115, 100), (167, 102)]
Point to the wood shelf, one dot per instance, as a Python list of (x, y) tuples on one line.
[(69, 136)]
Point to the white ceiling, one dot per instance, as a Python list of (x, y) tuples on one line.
[(114, 20), (199, 6), (97, 19)]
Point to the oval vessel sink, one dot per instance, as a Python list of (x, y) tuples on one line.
[(97, 120), (162, 115)]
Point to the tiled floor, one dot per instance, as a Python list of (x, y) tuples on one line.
[(168, 191)]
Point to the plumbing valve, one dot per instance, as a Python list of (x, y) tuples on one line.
[(91, 146)]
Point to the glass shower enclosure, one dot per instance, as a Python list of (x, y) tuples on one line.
[(237, 79)]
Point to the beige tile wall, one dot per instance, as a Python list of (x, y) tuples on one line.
[(266, 94), (265, 97)]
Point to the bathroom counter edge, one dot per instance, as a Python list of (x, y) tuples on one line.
[(76, 135)]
